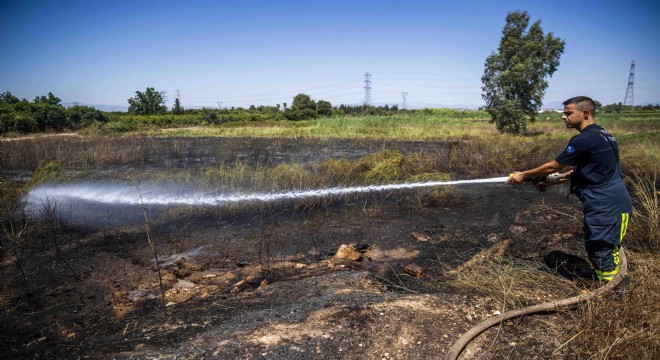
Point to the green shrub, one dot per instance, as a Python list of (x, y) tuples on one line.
[(289, 176), (381, 167), (17, 122), (83, 116), (436, 195), (45, 172), (336, 171), (120, 126)]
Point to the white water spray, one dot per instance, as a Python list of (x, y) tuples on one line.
[(127, 195)]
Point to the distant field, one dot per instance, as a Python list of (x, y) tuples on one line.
[(638, 133)]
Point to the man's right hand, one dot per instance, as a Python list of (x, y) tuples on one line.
[(516, 178)]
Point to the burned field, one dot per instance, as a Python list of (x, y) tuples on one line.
[(398, 274)]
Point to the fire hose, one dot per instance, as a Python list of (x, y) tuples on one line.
[(462, 342), (459, 345)]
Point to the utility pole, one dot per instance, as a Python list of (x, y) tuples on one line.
[(629, 90), (219, 105), (367, 89), (404, 94)]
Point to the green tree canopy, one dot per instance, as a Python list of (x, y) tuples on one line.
[(302, 108), (303, 101), (8, 98), (323, 108), (48, 100), (82, 116), (515, 76), (149, 102), (177, 109)]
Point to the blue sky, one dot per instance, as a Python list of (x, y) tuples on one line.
[(266, 52)]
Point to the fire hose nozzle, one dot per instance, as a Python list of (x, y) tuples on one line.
[(542, 182)]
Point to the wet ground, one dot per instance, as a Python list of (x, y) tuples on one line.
[(263, 281)]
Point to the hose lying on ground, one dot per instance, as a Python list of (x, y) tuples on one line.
[(459, 345)]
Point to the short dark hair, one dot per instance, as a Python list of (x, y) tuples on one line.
[(582, 103)]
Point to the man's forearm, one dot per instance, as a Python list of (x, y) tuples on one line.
[(543, 170)]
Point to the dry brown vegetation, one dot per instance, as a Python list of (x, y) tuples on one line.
[(490, 269)]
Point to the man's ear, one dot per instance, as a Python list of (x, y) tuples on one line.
[(585, 114)]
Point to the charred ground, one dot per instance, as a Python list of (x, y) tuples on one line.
[(267, 286), (263, 280)]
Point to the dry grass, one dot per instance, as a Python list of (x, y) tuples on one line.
[(386, 166), (644, 233), (621, 326), (512, 283), (610, 327), (477, 147), (627, 325)]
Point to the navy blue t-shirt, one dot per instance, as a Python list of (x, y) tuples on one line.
[(594, 157)]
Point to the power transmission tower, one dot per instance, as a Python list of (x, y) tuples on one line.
[(163, 94), (178, 94), (367, 89), (219, 105), (631, 84), (404, 94)]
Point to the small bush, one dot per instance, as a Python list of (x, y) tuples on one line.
[(381, 167), (336, 171), (289, 176), (119, 127), (83, 116), (22, 123), (437, 195), (46, 171)]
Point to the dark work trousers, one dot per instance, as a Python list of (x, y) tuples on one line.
[(607, 209)]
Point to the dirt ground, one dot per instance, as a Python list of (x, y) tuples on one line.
[(269, 286)]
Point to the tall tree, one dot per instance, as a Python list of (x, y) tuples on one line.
[(515, 76), (8, 98), (302, 108), (177, 109), (323, 108), (149, 102), (303, 101), (49, 100)]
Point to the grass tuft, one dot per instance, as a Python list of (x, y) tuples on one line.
[(644, 232), (624, 325), (514, 283)]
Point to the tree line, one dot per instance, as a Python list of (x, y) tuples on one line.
[(303, 107), (620, 108), (44, 113), (147, 110)]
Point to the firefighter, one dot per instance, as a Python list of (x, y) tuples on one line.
[(596, 180)]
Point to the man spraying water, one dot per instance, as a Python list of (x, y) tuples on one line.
[(596, 180)]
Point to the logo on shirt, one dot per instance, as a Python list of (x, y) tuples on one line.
[(570, 149)]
